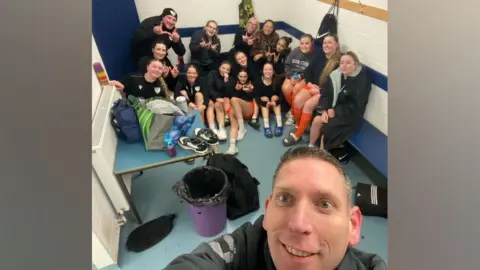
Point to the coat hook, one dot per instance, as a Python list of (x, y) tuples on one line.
[(361, 6)]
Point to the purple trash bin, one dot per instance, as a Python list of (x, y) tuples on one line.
[(205, 190), (208, 220)]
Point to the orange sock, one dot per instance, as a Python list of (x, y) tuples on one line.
[(297, 113), (303, 124)]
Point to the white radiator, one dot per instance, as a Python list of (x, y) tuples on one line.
[(108, 200), (104, 147)]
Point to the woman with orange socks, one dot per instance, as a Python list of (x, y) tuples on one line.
[(296, 64), (307, 97)]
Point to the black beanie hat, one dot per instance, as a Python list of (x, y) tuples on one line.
[(169, 11)]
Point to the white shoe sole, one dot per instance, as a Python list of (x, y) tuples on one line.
[(186, 147), (232, 153), (241, 135)]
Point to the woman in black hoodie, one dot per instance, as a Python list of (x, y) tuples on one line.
[(343, 101), (205, 47), (219, 90), (192, 88)]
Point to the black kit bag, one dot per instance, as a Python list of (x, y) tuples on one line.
[(329, 24), (244, 196), (372, 200)]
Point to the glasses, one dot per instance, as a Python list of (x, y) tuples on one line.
[(212, 27)]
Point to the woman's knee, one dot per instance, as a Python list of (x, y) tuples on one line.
[(198, 97), (218, 105), (311, 104), (317, 122), (300, 99), (298, 86), (286, 86)]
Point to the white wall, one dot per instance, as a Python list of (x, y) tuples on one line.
[(364, 35)]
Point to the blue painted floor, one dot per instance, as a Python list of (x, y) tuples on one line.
[(153, 197)]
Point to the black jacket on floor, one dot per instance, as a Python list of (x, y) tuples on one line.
[(246, 249), (143, 38)]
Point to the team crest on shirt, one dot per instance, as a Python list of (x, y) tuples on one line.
[(197, 88), (140, 87), (157, 90)]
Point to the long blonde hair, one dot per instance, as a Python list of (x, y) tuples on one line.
[(332, 61)]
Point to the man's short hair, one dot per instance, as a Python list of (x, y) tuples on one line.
[(315, 153)]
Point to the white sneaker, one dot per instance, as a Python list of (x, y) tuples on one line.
[(241, 134), (232, 150), (290, 120), (222, 134)]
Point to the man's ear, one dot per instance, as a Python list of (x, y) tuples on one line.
[(265, 215), (355, 226)]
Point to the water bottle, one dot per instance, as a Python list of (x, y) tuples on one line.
[(172, 151), (181, 102)]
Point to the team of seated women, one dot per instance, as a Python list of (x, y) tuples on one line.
[(323, 88)]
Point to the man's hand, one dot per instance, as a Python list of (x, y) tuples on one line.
[(175, 36), (158, 30)]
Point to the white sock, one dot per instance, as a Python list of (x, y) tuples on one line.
[(266, 123), (212, 127), (279, 120), (233, 142), (311, 145), (221, 128), (241, 124)]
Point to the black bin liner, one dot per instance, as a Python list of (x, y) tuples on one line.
[(203, 186)]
